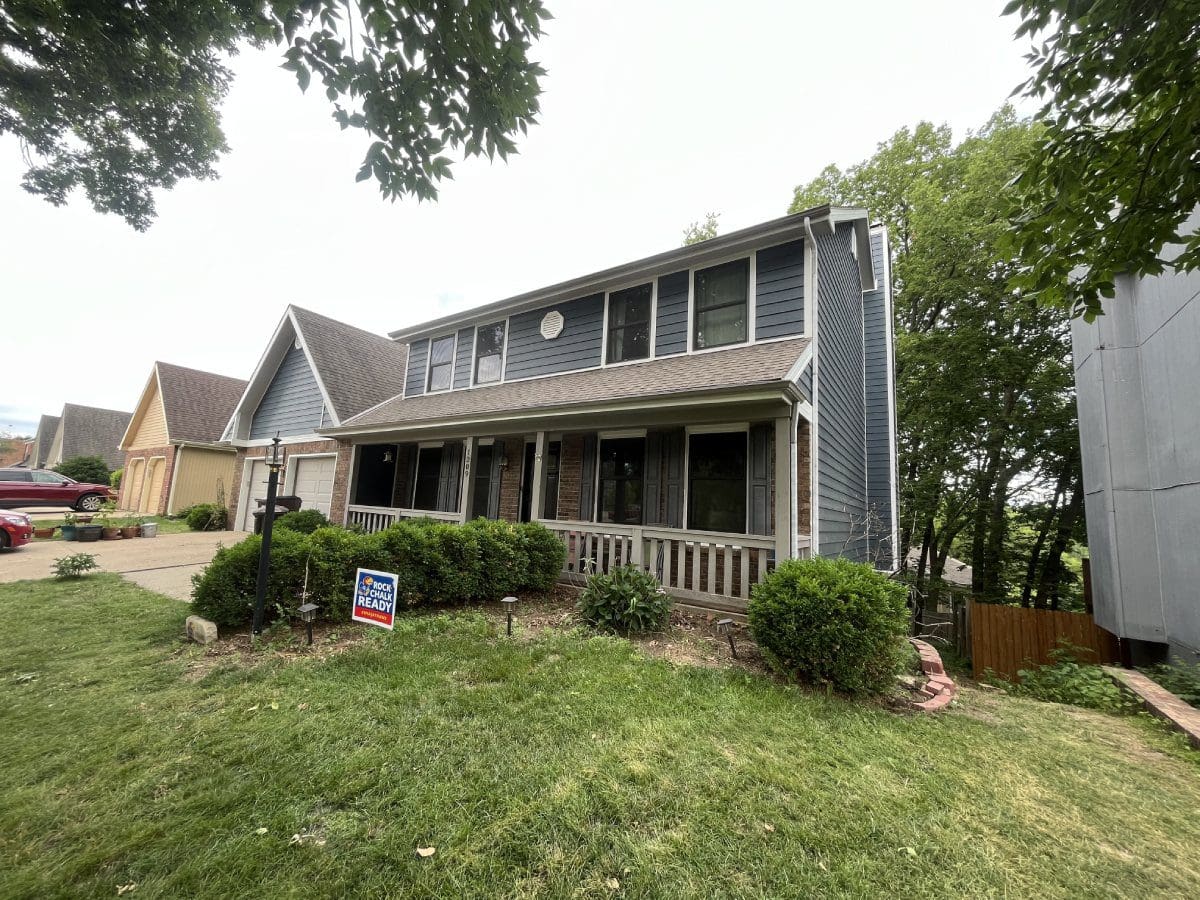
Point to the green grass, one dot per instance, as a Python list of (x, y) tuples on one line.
[(540, 768), (166, 524)]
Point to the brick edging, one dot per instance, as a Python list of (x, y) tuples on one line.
[(1179, 714), (939, 690)]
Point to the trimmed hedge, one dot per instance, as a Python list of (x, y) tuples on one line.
[(435, 562), (831, 621), (305, 521), (206, 517)]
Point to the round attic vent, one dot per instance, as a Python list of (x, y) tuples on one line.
[(552, 324)]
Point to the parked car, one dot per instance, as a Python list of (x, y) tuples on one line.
[(15, 529), (39, 487)]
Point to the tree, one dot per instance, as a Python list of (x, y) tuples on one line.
[(701, 231), (983, 378), (1108, 183), (88, 469), (121, 99)]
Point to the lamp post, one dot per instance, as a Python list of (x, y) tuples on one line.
[(308, 612), (274, 463), (725, 627), (509, 604)]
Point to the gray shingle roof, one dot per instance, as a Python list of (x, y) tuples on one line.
[(91, 431), (359, 369), (197, 404), (736, 367), (47, 427)]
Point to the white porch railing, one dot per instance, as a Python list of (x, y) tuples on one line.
[(377, 518), (692, 565)]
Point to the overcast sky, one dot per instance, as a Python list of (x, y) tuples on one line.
[(653, 113)]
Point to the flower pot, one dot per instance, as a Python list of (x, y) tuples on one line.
[(43, 532), (149, 529), (85, 533), (109, 533), (68, 532), (131, 531), (83, 520)]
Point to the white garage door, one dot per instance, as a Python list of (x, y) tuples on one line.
[(257, 490), (314, 482)]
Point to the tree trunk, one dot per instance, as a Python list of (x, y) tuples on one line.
[(1048, 587)]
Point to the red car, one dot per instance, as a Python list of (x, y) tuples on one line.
[(15, 529), (20, 488)]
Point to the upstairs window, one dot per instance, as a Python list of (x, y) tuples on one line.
[(629, 324), (441, 364), (622, 466), (717, 482), (722, 294), (489, 353)]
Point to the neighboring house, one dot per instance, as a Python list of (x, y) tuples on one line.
[(956, 572), (1137, 369), (172, 456), (15, 451), (705, 412), (88, 431), (47, 427), (316, 372)]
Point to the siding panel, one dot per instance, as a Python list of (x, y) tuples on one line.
[(876, 310), (464, 357), (779, 291), (672, 320), (414, 380), (578, 347), (292, 403), (201, 476)]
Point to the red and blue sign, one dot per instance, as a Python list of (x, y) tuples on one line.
[(375, 598)]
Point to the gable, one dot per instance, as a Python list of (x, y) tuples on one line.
[(292, 403), (149, 426)]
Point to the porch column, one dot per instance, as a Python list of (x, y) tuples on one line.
[(539, 477), (466, 491), (785, 489)]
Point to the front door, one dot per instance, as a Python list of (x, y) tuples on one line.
[(527, 481)]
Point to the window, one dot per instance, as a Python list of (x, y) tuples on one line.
[(483, 481), (441, 363), (622, 462), (489, 353), (721, 301), (49, 478), (717, 482), (629, 323), (550, 501), (429, 472), (14, 475)]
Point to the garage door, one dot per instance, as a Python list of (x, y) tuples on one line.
[(314, 481), (132, 484), (152, 492), (257, 490)]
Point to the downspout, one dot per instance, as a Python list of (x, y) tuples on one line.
[(793, 502), (814, 493)]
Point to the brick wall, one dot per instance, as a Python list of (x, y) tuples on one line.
[(158, 505), (341, 473), (510, 477), (804, 476), (570, 473)]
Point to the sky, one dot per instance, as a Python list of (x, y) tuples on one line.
[(653, 114)]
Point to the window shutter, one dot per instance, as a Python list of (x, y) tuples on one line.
[(410, 486), (494, 482), (449, 476), (672, 450), (653, 478), (760, 479), (587, 480)]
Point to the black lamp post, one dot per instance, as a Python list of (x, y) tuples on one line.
[(274, 463), (308, 612), (509, 604), (725, 627)]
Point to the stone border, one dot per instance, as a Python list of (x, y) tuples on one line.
[(939, 689), (1158, 700)]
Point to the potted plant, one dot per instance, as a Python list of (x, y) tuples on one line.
[(109, 529), (68, 526), (149, 529), (47, 532), (86, 533), (131, 528)]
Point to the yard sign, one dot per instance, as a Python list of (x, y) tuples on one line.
[(375, 598)]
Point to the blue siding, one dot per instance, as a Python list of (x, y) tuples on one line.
[(578, 347), (418, 355), (805, 382), (841, 431), (671, 326), (880, 475), (464, 357), (292, 403), (779, 291)]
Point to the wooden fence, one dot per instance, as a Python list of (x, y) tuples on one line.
[(1007, 639)]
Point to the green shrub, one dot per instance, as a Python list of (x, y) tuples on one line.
[(546, 555), (305, 521), (626, 599), (75, 565), (224, 591), (503, 557), (1067, 680), (206, 517), (1180, 678), (88, 469), (334, 556), (114, 480), (832, 622)]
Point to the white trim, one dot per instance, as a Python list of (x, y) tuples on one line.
[(430, 445), (285, 440), (801, 363), (619, 434), (654, 318), (504, 353), (174, 471), (244, 492), (429, 363), (893, 451), (604, 332), (727, 428), (751, 296), (606, 325), (141, 401), (752, 300), (815, 481)]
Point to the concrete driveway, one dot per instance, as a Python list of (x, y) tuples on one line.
[(164, 564)]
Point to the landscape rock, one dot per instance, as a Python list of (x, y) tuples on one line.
[(200, 630)]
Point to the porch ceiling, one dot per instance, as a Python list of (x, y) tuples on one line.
[(754, 370)]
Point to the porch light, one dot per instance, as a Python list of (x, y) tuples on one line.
[(725, 628), (308, 613), (387, 455), (508, 604)]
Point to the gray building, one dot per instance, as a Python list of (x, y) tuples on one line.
[(1137, 372)]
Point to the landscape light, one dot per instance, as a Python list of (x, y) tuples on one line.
[(509, 604), (725, 627), (308, 613)]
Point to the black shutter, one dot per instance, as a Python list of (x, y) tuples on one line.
[(587, 480), (411, 487), (493, 508), (672, 450), (759, 464), (449, 477), (653, 478)]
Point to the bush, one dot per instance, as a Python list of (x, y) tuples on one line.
[(1067, 680), (75, 565), (305, 521), (502, 556), (832, 622), (88, 469), (206, 517), (626, 599), (224, 591), (1180, 679), (114, 480), (546, 554)]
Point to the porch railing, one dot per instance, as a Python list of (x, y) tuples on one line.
[(692, 565), (377, 518)]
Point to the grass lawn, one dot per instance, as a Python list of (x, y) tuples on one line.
[(563, 766), (166, 524)]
